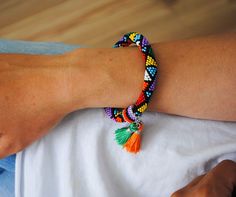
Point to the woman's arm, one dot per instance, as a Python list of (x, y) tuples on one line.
[(197, 77)]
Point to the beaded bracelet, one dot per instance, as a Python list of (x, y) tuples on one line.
[(129, 137)]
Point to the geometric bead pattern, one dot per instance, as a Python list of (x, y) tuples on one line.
[(142, 108), (152, 70), (150, 61), (147, 77), (150, 78)]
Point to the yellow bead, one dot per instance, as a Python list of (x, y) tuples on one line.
[(150, 61), (132, 36), (143, 108)]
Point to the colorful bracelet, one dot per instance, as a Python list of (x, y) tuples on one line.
[(129, 137)]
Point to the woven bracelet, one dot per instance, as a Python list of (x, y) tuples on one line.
[(130, 137)]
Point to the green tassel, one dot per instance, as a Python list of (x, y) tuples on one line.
[(123, 134)]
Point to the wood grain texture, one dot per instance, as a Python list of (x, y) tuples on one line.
[(99, 23)]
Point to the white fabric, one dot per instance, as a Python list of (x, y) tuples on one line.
[(80, 157)]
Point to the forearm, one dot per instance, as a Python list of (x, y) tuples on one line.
[(196, 77)]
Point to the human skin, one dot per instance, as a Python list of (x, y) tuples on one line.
[(218, 182), (196, 78)]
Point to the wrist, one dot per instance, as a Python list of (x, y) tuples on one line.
[(105, 77), (86, 79)]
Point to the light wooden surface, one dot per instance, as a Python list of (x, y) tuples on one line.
[(99, 23)]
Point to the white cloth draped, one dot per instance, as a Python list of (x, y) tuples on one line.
[(80, 157)]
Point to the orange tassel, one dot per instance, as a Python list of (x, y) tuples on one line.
[(134, 142)]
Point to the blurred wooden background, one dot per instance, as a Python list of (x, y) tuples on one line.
[(99, 23)]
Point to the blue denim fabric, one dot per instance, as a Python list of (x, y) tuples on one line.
[(7, 174), (7, 165)]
